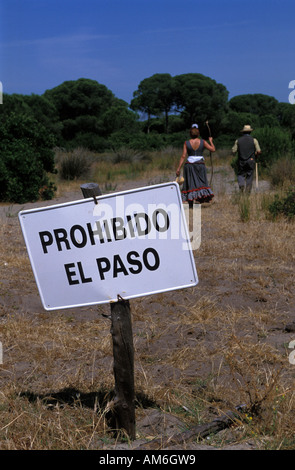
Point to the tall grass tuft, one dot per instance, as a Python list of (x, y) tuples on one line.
[(283, 205), (282, 172), (167, 159), (75, 164), (244, 207), (127, 155)]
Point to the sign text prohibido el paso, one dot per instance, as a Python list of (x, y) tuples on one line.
[(129, 244)]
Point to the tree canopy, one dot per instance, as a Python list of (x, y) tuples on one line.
[(258, 104), (85, 113), (193, 96), (200, 98), (155, 96), (82, 108)]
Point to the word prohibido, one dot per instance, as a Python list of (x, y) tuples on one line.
[(104, 231)]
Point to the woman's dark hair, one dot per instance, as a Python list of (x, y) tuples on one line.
[(194, 132)]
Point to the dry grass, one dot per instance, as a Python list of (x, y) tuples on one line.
[(113, 167), (198, 352)]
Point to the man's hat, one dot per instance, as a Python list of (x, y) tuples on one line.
[(247, 128)]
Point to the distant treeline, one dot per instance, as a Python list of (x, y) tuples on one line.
[(85, 113)]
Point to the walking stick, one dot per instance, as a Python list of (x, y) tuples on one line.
[(256, 172), (211, 160)]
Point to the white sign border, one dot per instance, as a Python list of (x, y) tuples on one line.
[(99, 198)]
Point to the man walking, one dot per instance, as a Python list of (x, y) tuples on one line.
[(248, 149)]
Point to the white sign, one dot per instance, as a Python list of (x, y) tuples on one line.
[(129, 244)]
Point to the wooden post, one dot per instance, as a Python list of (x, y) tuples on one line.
[(256, 174), (124, 401), (90, 190), (121, 330)]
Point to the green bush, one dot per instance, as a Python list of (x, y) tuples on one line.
[(149, 142), (284, 205), (22, 176), (275, 142), (25, 158)]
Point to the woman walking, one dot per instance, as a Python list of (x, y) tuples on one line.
[(195, 186)]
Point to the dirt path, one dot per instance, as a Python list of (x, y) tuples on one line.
[(224, 182)]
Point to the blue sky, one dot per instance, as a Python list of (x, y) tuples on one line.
[(246, 45)]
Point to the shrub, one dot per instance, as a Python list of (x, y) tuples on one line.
[(149, 142), (128, 155), (275, 142), (284, 205), (22, 175), (26, 157), (74, 164), (244, 207), (282, 172)]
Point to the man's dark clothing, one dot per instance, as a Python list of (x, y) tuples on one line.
[(246, 147)]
